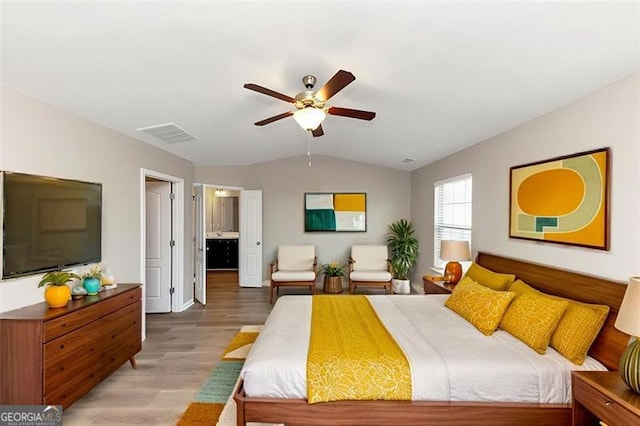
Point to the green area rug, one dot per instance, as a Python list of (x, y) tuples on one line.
[(217, 389)]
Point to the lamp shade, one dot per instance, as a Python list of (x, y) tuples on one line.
[(628, 319), (454, 250), (309, 118)]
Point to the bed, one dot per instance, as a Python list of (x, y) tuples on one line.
[(606, 350)]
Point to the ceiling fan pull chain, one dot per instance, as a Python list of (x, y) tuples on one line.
[(309, 149)]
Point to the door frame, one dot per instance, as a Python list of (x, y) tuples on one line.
[(164, 191), (178, 236), (204, 230)]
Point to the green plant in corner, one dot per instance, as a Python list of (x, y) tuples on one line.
[(333, 269), (403, 248)]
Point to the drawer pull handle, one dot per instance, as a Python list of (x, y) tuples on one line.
[(608, 403)]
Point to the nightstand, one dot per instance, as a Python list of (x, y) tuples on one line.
[(602, 395), (435, 285)]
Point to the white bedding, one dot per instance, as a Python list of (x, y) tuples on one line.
[(450, 360)]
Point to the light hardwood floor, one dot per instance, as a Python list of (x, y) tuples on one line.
[(176, 357)]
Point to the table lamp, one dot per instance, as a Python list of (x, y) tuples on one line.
[(454, 251), (628, 321)]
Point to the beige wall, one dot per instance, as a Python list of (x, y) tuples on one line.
[(607, 118), (283, 184), (40, 139)]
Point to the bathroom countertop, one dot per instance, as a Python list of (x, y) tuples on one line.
[(222, 235)]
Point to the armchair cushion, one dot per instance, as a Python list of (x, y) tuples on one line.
[(369, 258), (382, 276), (293, 276), (296, 258)]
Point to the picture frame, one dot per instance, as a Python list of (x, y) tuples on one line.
[(563, 200), (335, 212)]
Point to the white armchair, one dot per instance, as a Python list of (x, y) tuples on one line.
[(369, 266), (294, 266)]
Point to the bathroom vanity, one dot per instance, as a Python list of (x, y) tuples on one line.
[(222, 250)]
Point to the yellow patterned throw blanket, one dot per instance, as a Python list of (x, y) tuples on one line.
[(352, 356)]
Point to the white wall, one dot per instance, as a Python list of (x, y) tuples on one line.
[(607, 118), (283, 184), (40, 139)]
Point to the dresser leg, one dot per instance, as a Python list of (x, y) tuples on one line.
[(132, 360)]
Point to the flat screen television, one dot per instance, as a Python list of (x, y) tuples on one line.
[(49, 223)]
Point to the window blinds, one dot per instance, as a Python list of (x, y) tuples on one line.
[(452, 215)]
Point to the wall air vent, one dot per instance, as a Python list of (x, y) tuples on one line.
[(168, 132)]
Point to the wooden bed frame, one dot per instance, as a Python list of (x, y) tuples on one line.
[(607, 349)]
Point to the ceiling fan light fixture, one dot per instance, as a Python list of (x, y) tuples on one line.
[(309, 118)]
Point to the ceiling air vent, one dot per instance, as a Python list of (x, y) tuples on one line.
[(407, 161), (168, 132)]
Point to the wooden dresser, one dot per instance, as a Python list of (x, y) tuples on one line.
[(54, 356)]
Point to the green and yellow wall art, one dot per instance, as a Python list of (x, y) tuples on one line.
[(335, 212), (562, 200)]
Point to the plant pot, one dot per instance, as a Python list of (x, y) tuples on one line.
[(332, 285), (57, 296), (92, 285), (401, 286)]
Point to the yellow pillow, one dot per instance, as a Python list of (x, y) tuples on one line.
[(578, 327), (479, 305), (488, 278), (532, 318)]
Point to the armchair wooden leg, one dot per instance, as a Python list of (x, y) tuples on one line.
[(271, 293)]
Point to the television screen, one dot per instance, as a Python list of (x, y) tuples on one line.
[(49, 223)]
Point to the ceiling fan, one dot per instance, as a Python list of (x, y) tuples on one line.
[(310, 105)]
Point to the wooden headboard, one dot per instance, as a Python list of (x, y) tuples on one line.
[(611, 342)]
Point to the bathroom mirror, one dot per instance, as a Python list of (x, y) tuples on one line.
[(222, 210)]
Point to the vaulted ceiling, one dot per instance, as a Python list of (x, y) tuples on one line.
[(441, 76)]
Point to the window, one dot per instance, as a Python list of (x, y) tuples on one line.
[(452, 214)]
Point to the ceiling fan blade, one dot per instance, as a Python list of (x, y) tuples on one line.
[(274, 118), (353, 113), (269, 92), (318, 131), (339, 81)]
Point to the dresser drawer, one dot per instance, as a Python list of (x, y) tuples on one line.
[(74, 388), (116, 302), (119, 351), (72, 321), (69, 355), (607, 410), (128, 318)]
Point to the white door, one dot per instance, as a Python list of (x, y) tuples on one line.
[(250, 268), (199, 241), (158, 246)]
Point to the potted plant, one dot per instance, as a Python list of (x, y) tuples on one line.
[(403, 254), (91, 279), (57, 293), (333, 273)]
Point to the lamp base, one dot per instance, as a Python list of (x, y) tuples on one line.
[(453, 272), (629, 362)]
